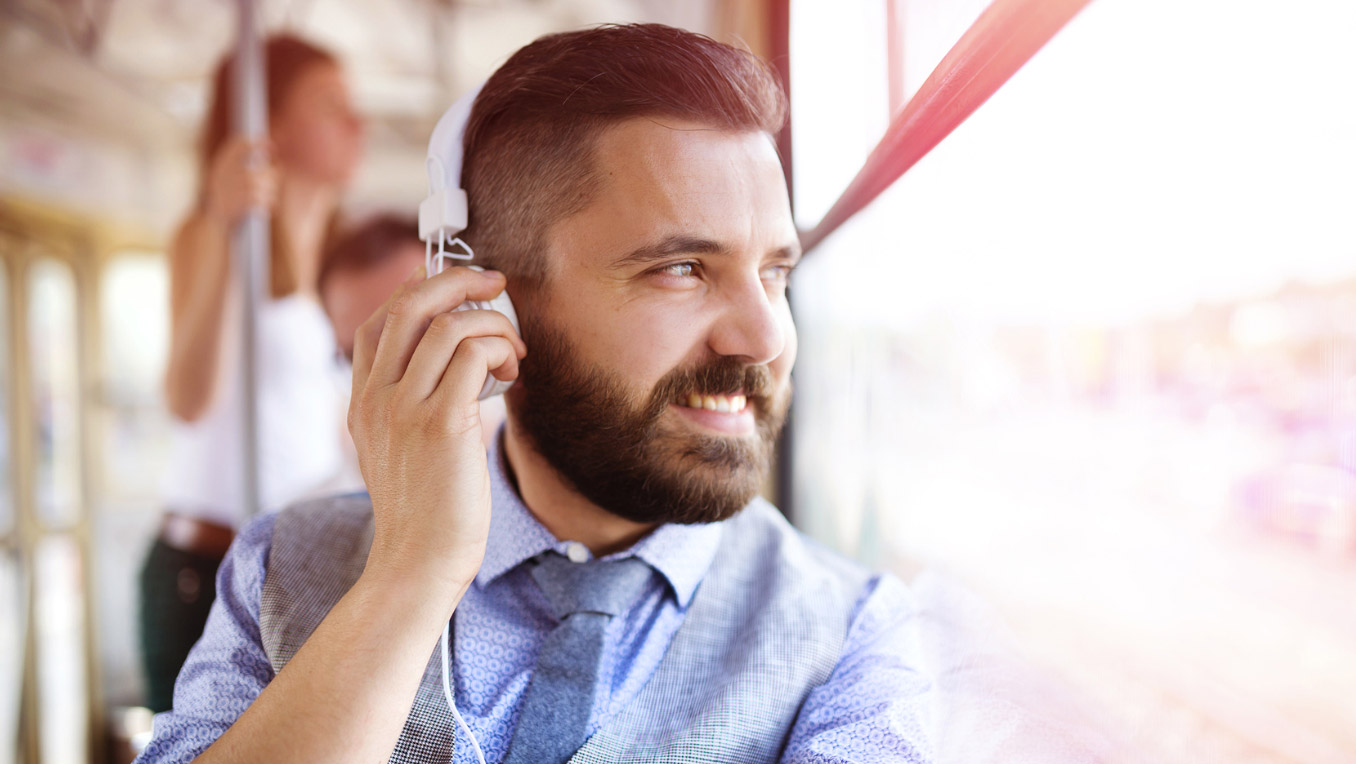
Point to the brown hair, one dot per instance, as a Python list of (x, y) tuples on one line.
[(286, 57), (367, 245), (529, 139)]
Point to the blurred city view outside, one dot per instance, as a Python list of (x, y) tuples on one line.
[(1095, 358)]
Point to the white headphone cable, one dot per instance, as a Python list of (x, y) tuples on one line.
[(451, 702)]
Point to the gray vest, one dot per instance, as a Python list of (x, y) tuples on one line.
[(765, 627)]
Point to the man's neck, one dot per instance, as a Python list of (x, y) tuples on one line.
[(561, 509)]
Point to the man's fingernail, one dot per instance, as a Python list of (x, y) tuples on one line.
[(496, 275)]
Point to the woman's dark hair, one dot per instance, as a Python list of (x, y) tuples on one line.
[(286, 57)]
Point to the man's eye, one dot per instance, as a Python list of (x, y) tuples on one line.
[(779, 273), (681, 270)]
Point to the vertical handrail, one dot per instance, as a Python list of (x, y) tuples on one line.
[(250, 242)]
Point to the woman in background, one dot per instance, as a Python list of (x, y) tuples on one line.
[(298, 175)]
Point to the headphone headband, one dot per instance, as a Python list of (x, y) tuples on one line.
[(444, 213)]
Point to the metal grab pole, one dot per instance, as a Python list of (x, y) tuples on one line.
[(250, 243)]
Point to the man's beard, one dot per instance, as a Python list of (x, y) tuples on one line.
[(617, 452)]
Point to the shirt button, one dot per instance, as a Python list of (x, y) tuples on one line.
[(576, 551)]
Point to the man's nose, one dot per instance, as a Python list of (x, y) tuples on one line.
[(749, 326)]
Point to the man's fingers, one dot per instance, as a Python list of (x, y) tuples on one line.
[(414, 306), (465, 375), (445, 332)]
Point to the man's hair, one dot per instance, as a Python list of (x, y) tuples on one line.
[(529, 141), (366, 246)]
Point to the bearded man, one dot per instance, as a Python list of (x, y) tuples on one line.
[(614, 588)]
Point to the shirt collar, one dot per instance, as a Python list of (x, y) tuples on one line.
[(681, 553)]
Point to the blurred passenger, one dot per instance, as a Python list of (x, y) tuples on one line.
[(298, 175), (361, 270)]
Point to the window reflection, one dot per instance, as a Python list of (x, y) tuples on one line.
[(53, 353), (1090, 363), (63, 693), (134, 321), (132, 448), (12, 621)]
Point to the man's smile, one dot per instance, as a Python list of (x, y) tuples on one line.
[(724, 403), (729, 414)]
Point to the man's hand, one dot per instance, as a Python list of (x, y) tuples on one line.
[(418, 368)]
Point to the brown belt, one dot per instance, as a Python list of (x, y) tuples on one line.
[(200, 537)]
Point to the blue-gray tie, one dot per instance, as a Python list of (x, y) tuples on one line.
[(585, 596)]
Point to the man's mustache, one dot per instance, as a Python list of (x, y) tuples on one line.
[(724, 376)]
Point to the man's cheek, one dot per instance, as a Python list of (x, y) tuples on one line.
[(781, 365)]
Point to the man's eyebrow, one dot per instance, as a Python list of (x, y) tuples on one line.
[(670, 246), (678, 245)]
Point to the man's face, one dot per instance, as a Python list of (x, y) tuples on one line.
[(352, 295), (660, 349)]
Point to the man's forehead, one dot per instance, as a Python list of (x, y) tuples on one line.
[(651, 145), (660, 177)]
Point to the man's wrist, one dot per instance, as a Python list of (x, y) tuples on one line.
[(413, 585)]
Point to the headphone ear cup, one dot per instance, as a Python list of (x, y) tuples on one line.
[(504, 305)]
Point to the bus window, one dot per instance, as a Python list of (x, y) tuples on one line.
[(134, 320), (53, 353), (1093, 357), (62, 671), (131, 448)]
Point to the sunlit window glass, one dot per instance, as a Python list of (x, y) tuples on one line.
[(12, 621), (134, 318), (1095, 356), (63, 692), (54, 354)]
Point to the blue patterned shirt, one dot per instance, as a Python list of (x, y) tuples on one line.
[(871, 709)]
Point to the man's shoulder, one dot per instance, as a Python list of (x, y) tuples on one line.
[(762, 535), (318, 549), (327, 523)]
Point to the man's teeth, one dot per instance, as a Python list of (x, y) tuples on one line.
[(728, 403)]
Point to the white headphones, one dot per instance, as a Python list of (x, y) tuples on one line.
[(443, 215), (445, 212)]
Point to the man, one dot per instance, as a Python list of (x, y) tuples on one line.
[(362, 268), (617, 591)]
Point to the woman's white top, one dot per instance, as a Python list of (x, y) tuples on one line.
[(301, 395)]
